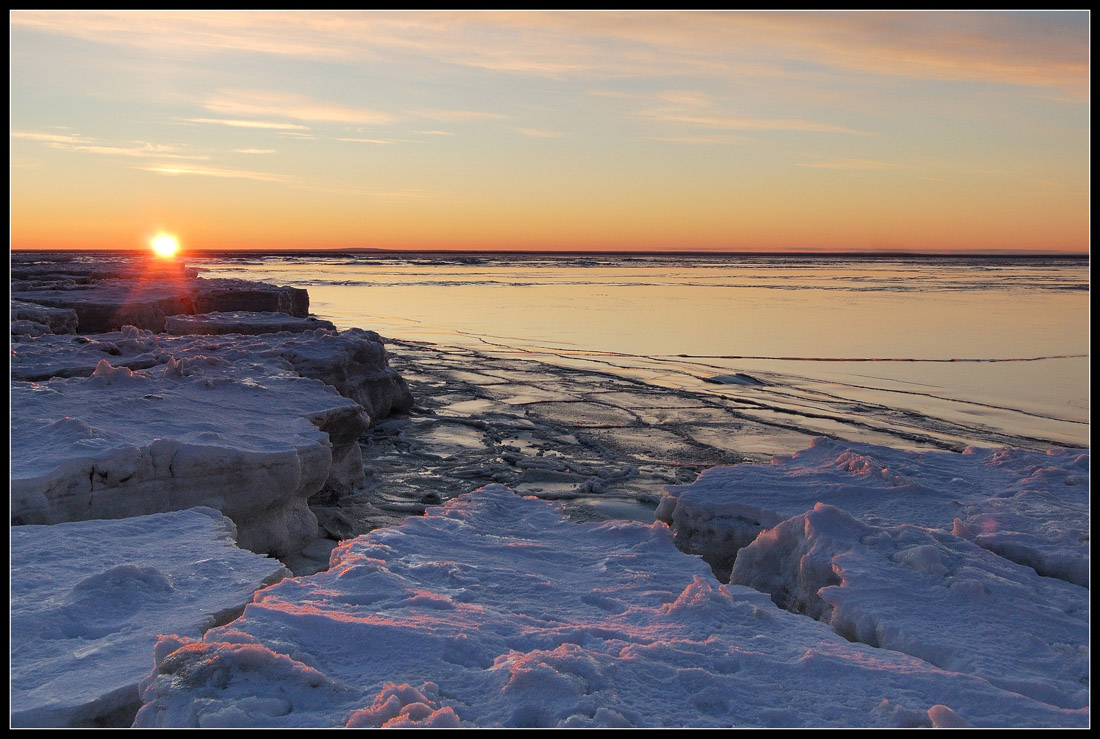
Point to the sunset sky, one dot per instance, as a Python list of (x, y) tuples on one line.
[(641, 131)]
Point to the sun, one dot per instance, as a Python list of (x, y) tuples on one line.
[(165, 245)]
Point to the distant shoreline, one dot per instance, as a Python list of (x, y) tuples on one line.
[(412, 253)]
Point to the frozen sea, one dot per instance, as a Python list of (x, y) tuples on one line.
[(486, 571), (906, 351)]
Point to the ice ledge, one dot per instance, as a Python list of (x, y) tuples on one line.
[(123, 443)]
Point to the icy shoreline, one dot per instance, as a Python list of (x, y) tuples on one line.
[(495, 609)]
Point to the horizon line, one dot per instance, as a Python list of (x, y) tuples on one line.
[(578, 252)]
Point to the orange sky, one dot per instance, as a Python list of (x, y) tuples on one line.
[(639, 131)]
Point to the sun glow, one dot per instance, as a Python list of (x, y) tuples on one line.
[(165, 245)]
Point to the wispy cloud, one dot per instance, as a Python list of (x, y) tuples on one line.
[(52, 138), (174, 170), (698, 139), (862, 164), (458, 115), (76, 142), (755, 124), (540, 133), (274, 125), (368, 141), (1027, 49), (263, 103), (692, 98), (254, 151)]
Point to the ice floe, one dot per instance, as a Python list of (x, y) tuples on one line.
[(353, 361), (55, 320), (930, 594), (1027, 506), (88, 600), (496, 610), (122, 443)]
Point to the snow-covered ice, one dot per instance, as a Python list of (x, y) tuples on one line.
[(930, 594), (353, 361), (123, 443), (1030, 507), (242, 322), (495, 610), (88, 600), (56, 320), (143, 293)]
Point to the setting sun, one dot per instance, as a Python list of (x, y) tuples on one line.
[(165, 245)]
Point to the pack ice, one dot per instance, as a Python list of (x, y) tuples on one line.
[(495, 610)]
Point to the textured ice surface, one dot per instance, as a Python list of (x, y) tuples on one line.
[(112, 291), (57, 320), (930, 594), (1027, 506), (353, 361), (242, 322), (498, 611), (88, 600), (122, 443)]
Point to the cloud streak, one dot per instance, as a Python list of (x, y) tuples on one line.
[(175, 170), (76, 142), (858, 164), (263, 103), (240, 123), (729, 123)]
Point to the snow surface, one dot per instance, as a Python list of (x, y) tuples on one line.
[(88, 600), (495, 610), (1030, 507), (930, 594), (188, 433)]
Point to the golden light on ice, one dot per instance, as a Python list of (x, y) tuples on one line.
[(165, 245)]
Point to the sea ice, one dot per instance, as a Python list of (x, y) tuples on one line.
[(88, 600), (111, 304), (1026, 506), (930, 594), (123, 443), (495, 610), (354, 361), (242, 322), (56, 320)]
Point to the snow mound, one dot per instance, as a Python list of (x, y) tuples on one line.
[(929, 594), (82, 637), (1027, 506), (505, 613)]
